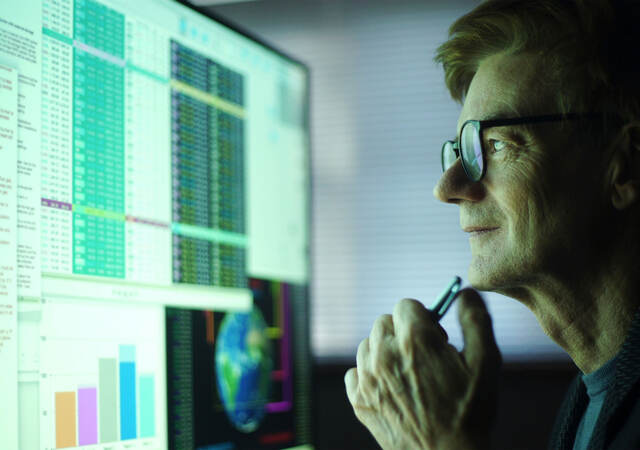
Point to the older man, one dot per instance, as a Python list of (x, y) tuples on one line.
[(545, 169)]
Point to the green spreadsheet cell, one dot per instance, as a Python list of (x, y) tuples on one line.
[(56, 35), (99, 26), (98, 246), (99, 150), (98, 145)]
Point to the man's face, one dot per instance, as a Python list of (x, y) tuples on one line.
[(539, 197)]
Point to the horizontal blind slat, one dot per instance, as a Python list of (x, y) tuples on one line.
[(380, 112)]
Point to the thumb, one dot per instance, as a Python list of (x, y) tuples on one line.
[(480, 349)]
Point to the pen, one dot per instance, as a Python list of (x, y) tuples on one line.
[(442, 304)]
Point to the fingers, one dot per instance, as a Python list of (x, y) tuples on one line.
[(351, 384), (480, 348), (410, 317), (381, 333), (362, 355), (382, 327)]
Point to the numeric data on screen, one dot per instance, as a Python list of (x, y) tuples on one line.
[(143, 157), (157, 165), (208, 171)]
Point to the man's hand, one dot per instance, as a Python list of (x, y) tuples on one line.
[(414, 390)]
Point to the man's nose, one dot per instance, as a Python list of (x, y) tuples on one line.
[(454, 186)]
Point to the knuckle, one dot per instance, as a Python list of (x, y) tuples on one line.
[(360, 410), (409, 303), (406, 312), (363, 346), (405, 342), (384, 361), (477, 316), (382, 323), (403, 305), (349, 375)]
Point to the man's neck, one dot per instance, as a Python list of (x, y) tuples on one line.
[(588, 317)]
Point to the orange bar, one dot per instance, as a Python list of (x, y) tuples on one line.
[(65, 419), (208, 315)]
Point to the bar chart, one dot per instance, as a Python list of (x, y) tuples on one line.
[(79, 409), (103, 379)]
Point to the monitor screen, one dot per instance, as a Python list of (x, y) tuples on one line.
[(154, 231)]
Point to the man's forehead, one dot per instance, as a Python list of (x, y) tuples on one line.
[(504, 86)]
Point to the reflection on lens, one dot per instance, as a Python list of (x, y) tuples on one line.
[(471, 150), (448, 156)]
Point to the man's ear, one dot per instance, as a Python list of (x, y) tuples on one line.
[(624, 168)]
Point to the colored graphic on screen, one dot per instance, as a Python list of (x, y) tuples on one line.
[(243, 363), (239, 368), (102, 374)]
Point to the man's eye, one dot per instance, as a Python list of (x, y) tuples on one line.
[(496, 145)]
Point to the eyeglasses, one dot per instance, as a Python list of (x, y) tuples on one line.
[(471, 146)]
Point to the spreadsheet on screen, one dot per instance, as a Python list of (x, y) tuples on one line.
[(154, 231)]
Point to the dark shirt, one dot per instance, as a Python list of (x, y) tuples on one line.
[(596, 383), (618, 424)]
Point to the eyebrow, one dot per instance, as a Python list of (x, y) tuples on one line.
[(497, 116), (516, 133), (502, 114)]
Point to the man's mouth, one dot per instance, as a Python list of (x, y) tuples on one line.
[(479, 231)]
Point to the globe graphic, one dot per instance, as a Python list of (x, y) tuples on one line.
[(244, 361)]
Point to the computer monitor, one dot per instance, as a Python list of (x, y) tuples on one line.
[(154, 231)]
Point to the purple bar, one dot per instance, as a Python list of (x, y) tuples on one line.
[(56, 204), (286, 343), (277, 407), (87, 416)]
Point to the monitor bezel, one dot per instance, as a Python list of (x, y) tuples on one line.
[(243, 31)]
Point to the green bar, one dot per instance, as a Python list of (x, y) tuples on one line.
[(99, 212), (209, 234), (56, 35), (107, 383)]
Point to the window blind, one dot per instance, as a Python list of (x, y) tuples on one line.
[(379, 114)]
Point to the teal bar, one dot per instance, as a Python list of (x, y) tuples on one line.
[(147, 73), (147, 406), (209, 234), (127, 353), (56, 35)]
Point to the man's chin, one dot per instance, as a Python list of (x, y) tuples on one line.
[(483, 277), (502, 278)]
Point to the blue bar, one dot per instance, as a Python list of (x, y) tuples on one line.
[(147, 407), (128, 423)]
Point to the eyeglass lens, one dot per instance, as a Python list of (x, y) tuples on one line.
[(449, 156), (471, 150)]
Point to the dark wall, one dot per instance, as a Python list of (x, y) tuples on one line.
[(528, 400)]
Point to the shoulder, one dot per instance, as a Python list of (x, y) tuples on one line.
[(625, 423)]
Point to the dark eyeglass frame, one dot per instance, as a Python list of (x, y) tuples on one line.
[(481, 125)]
